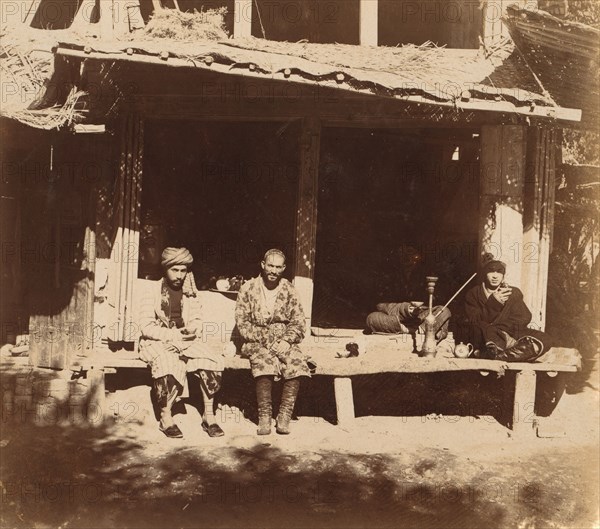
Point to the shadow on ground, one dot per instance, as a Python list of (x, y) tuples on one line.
[(89, 478)]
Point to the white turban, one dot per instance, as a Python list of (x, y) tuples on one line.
[(176, 257)]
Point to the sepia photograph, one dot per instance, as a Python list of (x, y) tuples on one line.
[(300, 264)]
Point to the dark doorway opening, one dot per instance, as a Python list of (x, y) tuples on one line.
[(394, 206), (225, 191)]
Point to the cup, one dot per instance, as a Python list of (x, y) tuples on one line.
[(229, 349)]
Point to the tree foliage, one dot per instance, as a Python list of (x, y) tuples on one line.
[(584, 11), (581, 147)]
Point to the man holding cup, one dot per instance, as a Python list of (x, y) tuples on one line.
[(171, 344), (497, 319)]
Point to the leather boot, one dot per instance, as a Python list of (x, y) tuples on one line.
[(286, 408), (491, 351), (527, 349), (265, 406)]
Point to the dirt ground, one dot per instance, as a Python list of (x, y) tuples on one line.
[(422, 471)]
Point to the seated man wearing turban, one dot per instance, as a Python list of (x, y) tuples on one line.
[(171, 344), (497, 320)]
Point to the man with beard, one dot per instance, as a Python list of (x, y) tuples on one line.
[(497, 320), (271, 322), (171, 344)]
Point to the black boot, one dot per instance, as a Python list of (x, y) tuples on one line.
[(527, 349), (286, 408), (264, 385), (491, 351)]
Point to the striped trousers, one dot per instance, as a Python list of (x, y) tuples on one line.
[(165, 358)]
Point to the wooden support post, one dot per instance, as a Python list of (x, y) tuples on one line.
[(242, 19), (97, 401), (523, 419), (344, 400), (501, 196), (538, 221), (306, 219), (546, 226), (369, 16), (127, 16), (90, 260), (83, 17), (106, 19), (125, 250)]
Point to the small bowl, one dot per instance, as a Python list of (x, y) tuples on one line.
[(222, 284), (417, 303)]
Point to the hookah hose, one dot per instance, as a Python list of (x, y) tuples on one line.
[(456, 293)]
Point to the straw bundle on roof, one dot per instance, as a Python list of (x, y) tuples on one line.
[(28, 64), (180, 25)]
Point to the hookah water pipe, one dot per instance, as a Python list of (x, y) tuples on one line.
[(429, 344)]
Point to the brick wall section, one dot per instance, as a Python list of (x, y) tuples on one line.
[(44, 397)]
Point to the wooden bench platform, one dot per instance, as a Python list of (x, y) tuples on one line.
[(384, 355)]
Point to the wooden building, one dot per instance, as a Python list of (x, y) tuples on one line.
[(371, 155)]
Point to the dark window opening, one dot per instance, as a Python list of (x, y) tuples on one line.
[(54, 14), (321, 21), (450, 23)]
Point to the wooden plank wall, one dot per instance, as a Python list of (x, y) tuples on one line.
[(538, 219), (125, 249), (60, 226), (503, 151), (518, 167)]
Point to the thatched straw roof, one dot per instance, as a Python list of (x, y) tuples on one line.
[(461, 79), (425, 74), (564, 55), (27, 66)]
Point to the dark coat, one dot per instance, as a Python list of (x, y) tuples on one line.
[(486, 318)]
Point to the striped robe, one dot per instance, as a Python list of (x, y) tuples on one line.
[(158, 347)]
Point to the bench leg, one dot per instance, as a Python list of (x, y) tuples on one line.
[(344, 400), (97, 400), (523, 419)]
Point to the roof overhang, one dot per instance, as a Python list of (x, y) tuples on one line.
[(462, 93)]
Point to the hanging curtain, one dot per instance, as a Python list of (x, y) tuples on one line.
[(125, 250)]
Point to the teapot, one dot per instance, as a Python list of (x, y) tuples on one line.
[(463, 350)]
